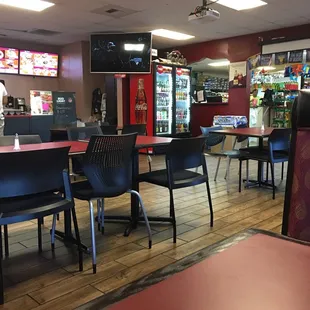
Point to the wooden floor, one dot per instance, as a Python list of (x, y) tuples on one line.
[(50, 281)]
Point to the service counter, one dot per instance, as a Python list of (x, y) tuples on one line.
[(29, 125)]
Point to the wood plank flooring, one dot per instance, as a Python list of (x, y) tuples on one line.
[(52, 281)]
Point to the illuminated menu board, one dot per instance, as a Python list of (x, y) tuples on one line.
[(8, 60), (38, 64)]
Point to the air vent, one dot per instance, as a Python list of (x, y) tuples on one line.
[(111, 11), (44, 32)]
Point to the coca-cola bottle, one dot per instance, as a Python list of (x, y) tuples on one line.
[(141, 104)]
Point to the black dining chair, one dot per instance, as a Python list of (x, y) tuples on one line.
[(277, 152), (31, 187), (7, 141), (140, 129), (23, 139), (211, 140), (109, 129), (80, 133), (83, 133), (107, 165), (181, 155)]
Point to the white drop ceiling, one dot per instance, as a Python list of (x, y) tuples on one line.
[(76, 19)]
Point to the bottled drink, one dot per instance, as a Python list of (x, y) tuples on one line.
[(141, 104)]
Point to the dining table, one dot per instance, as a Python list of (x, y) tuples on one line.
[(254, 132), (253, 270), (79, 148)]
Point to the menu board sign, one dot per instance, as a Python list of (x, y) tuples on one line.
[(266, 60), (8, 60), (64, 107), (281, 58), (41, 102), (38, 64), (296, 56)]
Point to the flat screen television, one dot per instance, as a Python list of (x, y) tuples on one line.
[(38, 64), (9, 60), (121, 53)]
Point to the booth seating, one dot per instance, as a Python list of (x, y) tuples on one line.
[(296, 216)]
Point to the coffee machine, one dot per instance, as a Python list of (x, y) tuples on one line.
[(20, 104)]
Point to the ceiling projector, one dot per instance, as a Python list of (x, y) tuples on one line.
[(203, 14)]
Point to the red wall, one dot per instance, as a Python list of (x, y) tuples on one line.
[(234, 49)]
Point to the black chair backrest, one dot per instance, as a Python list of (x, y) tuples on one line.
[(23, 139), (109, 129), (279, 140), (32, 172), (212, 139), (108, 164), (83, 133), (185, 154), (240, 139), (140, 129), (91, 124)]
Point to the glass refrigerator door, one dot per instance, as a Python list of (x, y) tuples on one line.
[(164, 88), (183, 100)]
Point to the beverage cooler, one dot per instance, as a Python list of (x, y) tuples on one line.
[(168, 100)]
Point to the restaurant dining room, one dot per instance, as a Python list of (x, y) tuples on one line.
[(154, 155)]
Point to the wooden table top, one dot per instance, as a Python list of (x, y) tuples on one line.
[(259, 271), (78, 147), (250, 132)]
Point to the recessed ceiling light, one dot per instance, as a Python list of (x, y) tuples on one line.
[(220, 63), (32, 5), (171, 34), (240, 5)]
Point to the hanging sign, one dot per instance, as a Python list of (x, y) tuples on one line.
[(237, 75), (281, 58), (296, 56), (266, 60)]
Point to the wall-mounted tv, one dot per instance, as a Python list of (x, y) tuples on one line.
[(38, 64), (121, 53), (8, 60)]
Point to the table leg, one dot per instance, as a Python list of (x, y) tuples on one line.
[(134, 199)]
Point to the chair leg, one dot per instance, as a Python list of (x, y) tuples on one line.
[(40, 235), (273, 181), (240, 175), (210, 203), (78, 239), (6, 241), (282, 172), (144, 216), (1, 275), (58, 218), (227, 173), (99, 214), (228, 166), (217, 168), (247, 171), (172, 214), (53, 232), (102, 215), (267, 173), (149, 160), (93, 238)]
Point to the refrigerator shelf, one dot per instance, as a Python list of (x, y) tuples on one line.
[(162, 120), (163, 106)]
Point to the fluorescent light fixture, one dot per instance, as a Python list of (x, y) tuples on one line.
[(240, 5), (266, 68), (220, 63), (171, 34), (134, 47), (31, 5)]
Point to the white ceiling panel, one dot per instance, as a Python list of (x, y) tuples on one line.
[(75, 20)]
